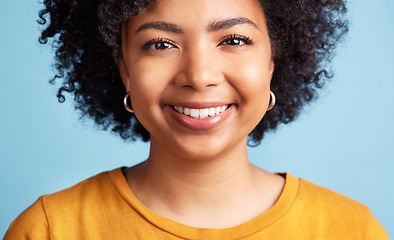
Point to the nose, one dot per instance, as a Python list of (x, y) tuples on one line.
[(200, 69)]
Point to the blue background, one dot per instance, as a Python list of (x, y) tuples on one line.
[(343, 141)]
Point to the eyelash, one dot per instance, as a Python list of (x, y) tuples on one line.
[(245, 39), (231, 37), (155, 41)]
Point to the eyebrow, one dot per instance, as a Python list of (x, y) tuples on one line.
[(231, 22), (163, 26), (213, 27)]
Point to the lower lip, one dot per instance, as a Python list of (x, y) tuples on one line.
[(200, 124)]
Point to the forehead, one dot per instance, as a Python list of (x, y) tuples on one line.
[(199, 13)]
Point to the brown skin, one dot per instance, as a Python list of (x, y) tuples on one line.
[(201, 178)]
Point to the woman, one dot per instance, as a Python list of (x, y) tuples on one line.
[(197, 79)]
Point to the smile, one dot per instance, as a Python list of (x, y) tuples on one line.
[(201, 113)]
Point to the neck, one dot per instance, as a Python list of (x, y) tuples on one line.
[(182, 189), (199, 171)]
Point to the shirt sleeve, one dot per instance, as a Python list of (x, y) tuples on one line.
[(31, 224), (374, 230)]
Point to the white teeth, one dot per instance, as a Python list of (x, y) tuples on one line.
[(179, 109), (201, 113), (211, 112), (194, 113), (186, 111)]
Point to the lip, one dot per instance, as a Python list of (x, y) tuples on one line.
[(199, 124), (200, 105)]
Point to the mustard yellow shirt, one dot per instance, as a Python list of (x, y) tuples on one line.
[(104, 207)]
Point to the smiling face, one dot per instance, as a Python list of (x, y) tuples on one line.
[(198, 73)]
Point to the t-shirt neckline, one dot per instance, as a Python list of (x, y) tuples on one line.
[(282, 205)]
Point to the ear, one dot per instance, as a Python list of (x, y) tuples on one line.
[(124, 74), (272, 67), (273, 56)]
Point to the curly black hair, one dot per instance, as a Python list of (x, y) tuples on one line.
[(87, 41)]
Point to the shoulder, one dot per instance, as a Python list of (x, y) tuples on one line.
[(321, 208), (30, 224), (87, 189), (316, 199), (314, 194), (60, 208), (85, 198)]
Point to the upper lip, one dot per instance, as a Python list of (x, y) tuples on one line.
[(199, 105)]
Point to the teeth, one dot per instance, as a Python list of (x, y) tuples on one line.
[(186, 111), (204, 113), (211, 112), (201, 113), (194, 113), (179, 109)]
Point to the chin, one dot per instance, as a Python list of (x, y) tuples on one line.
[(204, 149)]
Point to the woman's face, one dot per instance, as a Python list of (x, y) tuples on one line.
[(198, 73)]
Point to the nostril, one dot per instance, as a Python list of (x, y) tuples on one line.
[(199, 76)]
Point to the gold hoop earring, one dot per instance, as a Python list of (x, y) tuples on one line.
[(273, 101), (128, 108)]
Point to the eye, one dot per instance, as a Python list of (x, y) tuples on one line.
[(159, 44), (235, 40)]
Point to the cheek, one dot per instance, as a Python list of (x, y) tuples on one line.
[(252, 79), (145, 89), (147, 81)]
